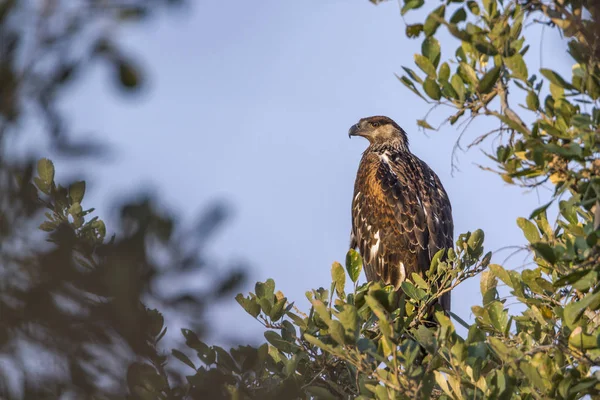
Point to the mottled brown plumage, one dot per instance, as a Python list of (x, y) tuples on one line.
[(401, 214)]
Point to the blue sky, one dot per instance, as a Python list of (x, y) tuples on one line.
[(250, 102)]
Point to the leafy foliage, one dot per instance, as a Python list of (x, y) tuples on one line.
[(72, 322), (373, 343)]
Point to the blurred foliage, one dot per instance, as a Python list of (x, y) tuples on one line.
[(73, 316), (373, 343)]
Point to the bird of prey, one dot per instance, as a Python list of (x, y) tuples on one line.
[(401, 214)]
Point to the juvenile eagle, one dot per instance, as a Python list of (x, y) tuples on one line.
[(401, 214)]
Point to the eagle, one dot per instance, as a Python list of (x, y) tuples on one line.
[(401, 213)]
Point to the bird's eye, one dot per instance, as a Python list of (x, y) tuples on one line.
[(374, 124)]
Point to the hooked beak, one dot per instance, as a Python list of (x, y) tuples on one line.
[(353, 131)]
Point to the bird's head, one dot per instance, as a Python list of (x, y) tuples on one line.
[(380, 130)]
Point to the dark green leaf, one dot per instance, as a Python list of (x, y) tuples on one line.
[(409, 84), (183, 358), (413, 31), (432, 50), (413, 75), (431, 87), (474, 7), (459, 15), (433, 20), (278, 309), (485, 48), (555, 78), (410, 5), (545, 251), (488, 81), (128, 74)]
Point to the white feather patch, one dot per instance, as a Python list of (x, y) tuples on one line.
[(375, 247)]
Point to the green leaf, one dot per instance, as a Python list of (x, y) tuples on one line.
[(529, 229), (338, 276), (248, 304), (424, 124), (278, 342), (475, 241), (349, 320), (469, 73), (413, 292), (336, 330), (545, 251), (419, 281), (129, 76), (575, 309), (183, 358), (517, 66), (425, 64), (533, 102), (459, 15), (498, 316), (45, 170), (413, 75), (501, 273), (265, 290), (513, 124), (407, 82), (413, 31), (473, 7), (487, 286), (354, 265), (381, 314), (431, 49), (490, 7), (411, 5), (583, 341), (556, 91), (555, 78), (278, 309), (433, 20), (534, 376), (488, 81), (48, 226), (448, 91), (425, 338), (431, 87), (459, 86), (485, 48), (76, 191), (444, 73)]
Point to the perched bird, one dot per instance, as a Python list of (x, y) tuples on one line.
[(401, 214)]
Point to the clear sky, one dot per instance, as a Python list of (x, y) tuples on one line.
[(250, 102)]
